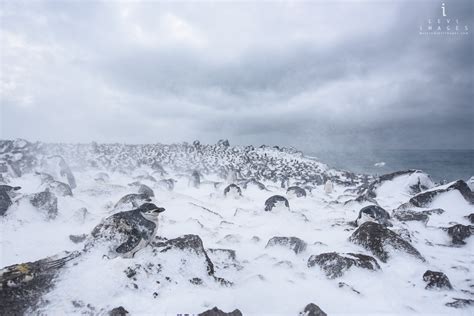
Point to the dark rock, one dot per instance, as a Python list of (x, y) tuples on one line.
[(406, 216), (296, 191), (132, 200), (45, 201), (24, 284), (192, 243), (460, 303), (273, 200), (119, 311), (293, 243), (234, 188), (436, 280), (378, 239), (425, 198), (460, 232), (334, 265), (470, 217), (77, 238), (5, 202), (373, 213), (217, 312), (312, 310)]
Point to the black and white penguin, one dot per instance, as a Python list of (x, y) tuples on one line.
[(276, 201), (233, 190), (195, 180), (373, 213), (296, 191), (125, 233)]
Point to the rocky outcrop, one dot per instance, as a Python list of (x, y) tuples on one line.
[(24, 284), (424, 199), (293, 243), (378, 240), (411, 215), (233, 190), (334, 264)]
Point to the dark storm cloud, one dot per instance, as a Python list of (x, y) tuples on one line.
[(312, 75)]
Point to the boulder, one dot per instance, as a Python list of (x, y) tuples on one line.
[(45, 201), (437, 280), (312, 310), (217, 312), (379, 240), (274, 200), (293, 243), (119, 311), (233, 190), (334, 264), (296, 191), (460, 232), (373, 213)]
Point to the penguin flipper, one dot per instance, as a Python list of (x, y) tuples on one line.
[(131, 243)]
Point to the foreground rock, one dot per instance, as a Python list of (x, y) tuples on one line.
[(119, 311), (217, 312), (24, 284), (378, 240), (437, 280), (312, 310), (293, 243), (334, 265)]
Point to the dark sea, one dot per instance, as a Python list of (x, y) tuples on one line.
[(440, 164)]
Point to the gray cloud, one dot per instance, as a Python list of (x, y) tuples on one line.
[(316, 75)]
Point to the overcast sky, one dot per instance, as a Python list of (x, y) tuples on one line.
[(315, 75)]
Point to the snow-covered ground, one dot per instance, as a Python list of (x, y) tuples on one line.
[(261, 280)]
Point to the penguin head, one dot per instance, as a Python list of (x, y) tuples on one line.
[(150, 209)]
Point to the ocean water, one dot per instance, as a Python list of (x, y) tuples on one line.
[(440, 164)]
